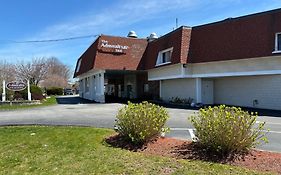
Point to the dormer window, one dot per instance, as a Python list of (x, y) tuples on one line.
[(277, 43), (164, 57), (78, 66)]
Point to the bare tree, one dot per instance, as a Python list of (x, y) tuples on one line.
[(7, 71), (58, 74), (44, 71), (58, 68), (34, 71), (54, 81)]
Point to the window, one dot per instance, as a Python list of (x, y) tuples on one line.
[(87, 84), (78, 66), (164, 57), (277, 43)]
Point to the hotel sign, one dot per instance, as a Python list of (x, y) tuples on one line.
[(115, 48), (16, 86)]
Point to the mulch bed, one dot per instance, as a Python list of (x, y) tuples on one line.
[(180, 149)]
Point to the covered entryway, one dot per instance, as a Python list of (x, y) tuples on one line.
[(124, 84)]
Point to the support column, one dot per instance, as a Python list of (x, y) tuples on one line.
[(198, 90), (28, 91), (91, 87), (4, 91), (160, 89), (101, 84)]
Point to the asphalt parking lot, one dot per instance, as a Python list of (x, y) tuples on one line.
[(72, 111)]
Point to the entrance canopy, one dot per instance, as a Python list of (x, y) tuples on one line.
[(125, 84)]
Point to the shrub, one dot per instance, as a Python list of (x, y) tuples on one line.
[(36, 96), (18, 96), (141, 122), (54, 91), (178, 100), (36, 93), (9, 95), (227, 130)]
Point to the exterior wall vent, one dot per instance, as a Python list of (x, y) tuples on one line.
[(132, 34), (153, 36)]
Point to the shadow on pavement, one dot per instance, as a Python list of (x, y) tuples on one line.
[(78, 100), (261, 112), (264, 112), (73, 100)]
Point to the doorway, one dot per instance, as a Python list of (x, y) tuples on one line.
[(207, 91)]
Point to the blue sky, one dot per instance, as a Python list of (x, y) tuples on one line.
[(52, 19)]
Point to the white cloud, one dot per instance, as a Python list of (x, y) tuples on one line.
[(114, 16), (110, 20), (107, 21)]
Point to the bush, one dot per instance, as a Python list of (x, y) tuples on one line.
[(10, 95), (18, 96), (54, 91), (36, 93), (141, 122), (227, 130), (35, 96), (178, 100)]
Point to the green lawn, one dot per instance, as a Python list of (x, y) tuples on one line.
[(81, 150), (46, 102)]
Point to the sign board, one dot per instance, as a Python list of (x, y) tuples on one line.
[(115, 48), (16, 86)]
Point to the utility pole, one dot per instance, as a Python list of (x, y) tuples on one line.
[(177, 22)]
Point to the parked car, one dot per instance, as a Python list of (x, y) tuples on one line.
[(68, 91)]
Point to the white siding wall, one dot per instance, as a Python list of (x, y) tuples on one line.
[(182, 88), (81, 88), (165, 72), (96, 88), (241, 91), (242, 66)]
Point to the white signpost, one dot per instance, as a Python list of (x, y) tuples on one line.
[(28, 91), (15, 86), (4, 91)]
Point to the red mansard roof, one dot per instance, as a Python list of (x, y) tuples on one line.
[(115, 53), (178, 39), (234, 38), (133, 53)]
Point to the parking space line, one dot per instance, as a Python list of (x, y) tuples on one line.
[(276, 132), (191, 131), (268, 123), (179, 129), (192, 135)]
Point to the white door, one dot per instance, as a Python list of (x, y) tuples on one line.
[(207, 91)]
